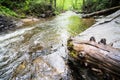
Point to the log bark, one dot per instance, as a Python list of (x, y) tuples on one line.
[(99, 55), (101, 12)]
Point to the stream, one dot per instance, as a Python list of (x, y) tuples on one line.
[(39, 51)]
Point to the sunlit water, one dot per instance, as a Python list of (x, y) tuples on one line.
[(37, 52)]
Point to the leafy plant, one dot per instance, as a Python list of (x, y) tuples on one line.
[(39, 8), (7, 12), (95, 5)]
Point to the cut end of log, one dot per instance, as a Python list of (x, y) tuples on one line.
[(99, 55)]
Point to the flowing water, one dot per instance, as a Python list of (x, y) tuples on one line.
[(38, 52)]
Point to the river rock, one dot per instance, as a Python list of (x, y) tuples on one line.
[(29, 20), (6, 23)]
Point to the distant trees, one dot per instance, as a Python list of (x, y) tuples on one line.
[(95, 5), (114, 2), (53, 3), (29, 7), (36, 6), (15, 4)]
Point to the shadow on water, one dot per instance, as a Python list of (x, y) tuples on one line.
[(38, 52)]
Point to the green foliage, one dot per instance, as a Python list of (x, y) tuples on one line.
[(39, 8), (102, 4), (12, 4), (69, 4), (7, 12), (96, 5), (9, 7), (25, 7)]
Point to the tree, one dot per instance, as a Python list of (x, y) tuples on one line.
[(54, 3), (51, 2)]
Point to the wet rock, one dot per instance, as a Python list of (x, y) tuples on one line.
[(48, 67), (42, 15), (29, 20), (6, 23), (51, 67)]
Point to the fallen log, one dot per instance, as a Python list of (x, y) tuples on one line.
[(99, 56), (101, 12)]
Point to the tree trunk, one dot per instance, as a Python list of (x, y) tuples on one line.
[(63, 4), (55, 4), (83, 4)]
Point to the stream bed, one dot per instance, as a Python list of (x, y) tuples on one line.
[(39, 51)]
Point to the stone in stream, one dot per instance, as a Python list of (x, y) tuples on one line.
[(6, 23)]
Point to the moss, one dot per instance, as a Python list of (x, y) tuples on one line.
[(72, 52)]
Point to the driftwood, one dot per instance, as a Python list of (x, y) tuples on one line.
[(101, 12), (99, 55)]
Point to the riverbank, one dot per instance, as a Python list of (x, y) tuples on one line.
[(11, 23)]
